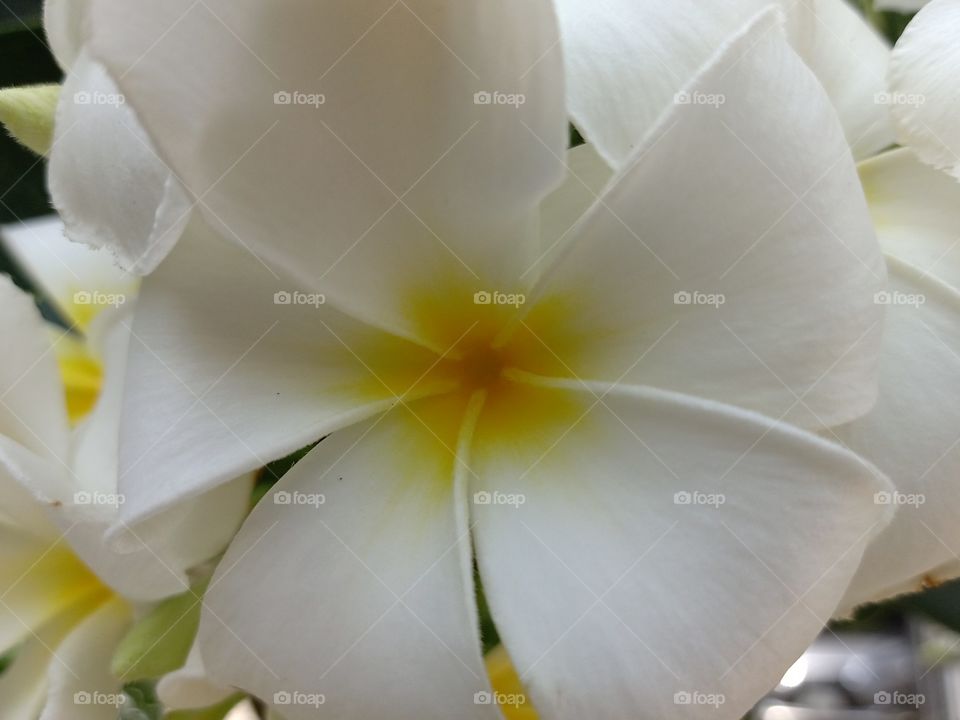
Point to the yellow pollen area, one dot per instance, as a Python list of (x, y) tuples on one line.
[(82, 376)]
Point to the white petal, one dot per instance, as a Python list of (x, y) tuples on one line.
[(626, 62), (67, 273), (924, 85), (912, 432), (106, 180), (332, 191), (587, 176), (23, 686), (190, 686), (154, 562), (916, 211), (83, 670), (65, 25), (734, 258), (222, 379), (365, 598), (613, 593), (32, 409)]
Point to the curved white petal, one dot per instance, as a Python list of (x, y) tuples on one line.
[(913, 435), (106, 180), (283, 131), (916, 211), (694, 548), (224, 376), (32, 409), (352, 580), (72, 276), (65, 24), (191, 686), (924, 85), (81, 686), (23, 685), (734, 258), (627, 61)]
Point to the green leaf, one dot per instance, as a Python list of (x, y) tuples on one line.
[(160, 641), (28, 114), (214, 712)]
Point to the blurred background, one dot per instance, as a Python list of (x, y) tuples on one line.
[(896, 661)]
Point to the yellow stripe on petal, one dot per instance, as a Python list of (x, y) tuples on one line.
[(82, 376), (508, 689)]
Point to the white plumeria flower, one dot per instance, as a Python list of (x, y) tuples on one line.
[(63, 592), (643, 524), (100, 154), (912, 434), (924, 82)]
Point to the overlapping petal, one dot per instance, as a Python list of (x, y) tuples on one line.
[(924, 85), (645, 53), (378, 145), (231, 367), (356, 566), (731, 259), (107, 182), (913, 433), (697, 548)]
